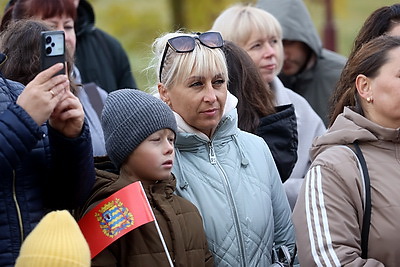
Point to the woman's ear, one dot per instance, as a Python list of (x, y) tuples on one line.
[(363, 85), (163, 92)]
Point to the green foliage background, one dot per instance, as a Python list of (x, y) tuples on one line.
[(136, 23)]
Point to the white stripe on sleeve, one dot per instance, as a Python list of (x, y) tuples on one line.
[(308, 215), (324, 245)]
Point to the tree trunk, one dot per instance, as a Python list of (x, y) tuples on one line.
[(178, 14)]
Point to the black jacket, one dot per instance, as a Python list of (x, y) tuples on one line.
[(100, 57), (279, 130)]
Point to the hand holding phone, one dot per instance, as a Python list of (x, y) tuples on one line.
[(52, 49)]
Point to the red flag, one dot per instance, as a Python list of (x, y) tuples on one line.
[(115, 216)]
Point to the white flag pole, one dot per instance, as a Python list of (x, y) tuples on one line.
[(159, 231)]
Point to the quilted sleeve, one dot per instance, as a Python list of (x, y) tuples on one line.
[(19, 134)]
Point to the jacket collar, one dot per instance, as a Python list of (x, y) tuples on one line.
[(350, 126)]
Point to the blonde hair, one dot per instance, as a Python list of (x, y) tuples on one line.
[(239, 22), (177, 67)]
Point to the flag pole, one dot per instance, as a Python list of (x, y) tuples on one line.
[(159, 231)]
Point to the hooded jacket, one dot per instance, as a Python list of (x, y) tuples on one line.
[(317, 82), (40, 170), (179, 221), (233, 181), (329, 211), (99, 56)]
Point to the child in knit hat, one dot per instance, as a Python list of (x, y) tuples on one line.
[(56, 241), (139, 131)]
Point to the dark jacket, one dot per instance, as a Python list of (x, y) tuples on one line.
[(279, 130), (178, 219), (99, 56), (40, 170), (316, 83)]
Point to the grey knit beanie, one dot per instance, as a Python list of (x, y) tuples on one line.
[(129, 116)]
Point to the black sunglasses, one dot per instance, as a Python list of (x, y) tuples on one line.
[(186, 44)]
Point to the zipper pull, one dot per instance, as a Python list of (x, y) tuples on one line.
[(213, 158)]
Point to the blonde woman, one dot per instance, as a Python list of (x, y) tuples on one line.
[(228, 174), (260, 34)]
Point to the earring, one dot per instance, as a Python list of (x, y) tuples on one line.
[(370, 99)]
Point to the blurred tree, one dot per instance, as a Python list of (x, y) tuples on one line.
[(329, 36), (137, 23), (177, 7), (194, 15), (201, 16)]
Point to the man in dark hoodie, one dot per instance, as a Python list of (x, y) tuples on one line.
[(99, 56), (309, 69)]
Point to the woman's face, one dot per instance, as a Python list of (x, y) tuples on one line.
[(385, 92), (199, 100), (66, 24), (265, 52)]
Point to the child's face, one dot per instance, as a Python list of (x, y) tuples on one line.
[(152, 160)]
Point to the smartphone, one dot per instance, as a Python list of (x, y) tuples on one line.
[(52, 49)]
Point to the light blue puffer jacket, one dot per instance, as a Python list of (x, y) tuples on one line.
[(233, 181)]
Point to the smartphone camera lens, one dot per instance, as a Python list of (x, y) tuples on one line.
[(48, 50), (48, 39)]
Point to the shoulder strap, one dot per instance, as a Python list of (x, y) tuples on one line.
[(367, 208), (94, 97)]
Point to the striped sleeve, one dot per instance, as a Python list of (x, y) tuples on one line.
[(328, 215), (317, 220)]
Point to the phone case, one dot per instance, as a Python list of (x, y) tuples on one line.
[(52, 49)]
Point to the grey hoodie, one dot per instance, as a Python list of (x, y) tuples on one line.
[(317, 82)]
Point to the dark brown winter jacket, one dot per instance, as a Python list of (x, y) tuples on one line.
[(179, 220)]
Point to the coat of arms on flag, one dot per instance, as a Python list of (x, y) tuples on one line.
[(114, 217)]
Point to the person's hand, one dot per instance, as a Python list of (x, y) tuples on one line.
[(41, 95), (68, 116)]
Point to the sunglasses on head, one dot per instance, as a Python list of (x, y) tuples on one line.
[(186, 44)]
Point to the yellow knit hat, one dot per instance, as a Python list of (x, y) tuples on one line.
[(56, 241)]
